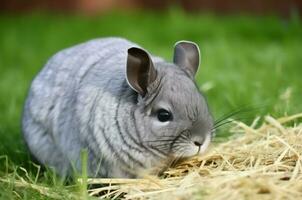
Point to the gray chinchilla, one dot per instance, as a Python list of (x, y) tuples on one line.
[(130, 110)]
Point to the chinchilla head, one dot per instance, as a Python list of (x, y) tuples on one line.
[(172, 115)]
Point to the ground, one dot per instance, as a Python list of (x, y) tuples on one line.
[(246, 61)]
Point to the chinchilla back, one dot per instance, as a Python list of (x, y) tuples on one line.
[(77, 87)]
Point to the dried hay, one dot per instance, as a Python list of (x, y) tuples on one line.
[(262, 163)]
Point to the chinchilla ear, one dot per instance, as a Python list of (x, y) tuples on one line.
[(186, 56), (140, 70)]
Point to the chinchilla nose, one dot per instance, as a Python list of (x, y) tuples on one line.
[(198, 141), (198, 134)]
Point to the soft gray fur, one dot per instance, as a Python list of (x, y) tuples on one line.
[(84, 99)]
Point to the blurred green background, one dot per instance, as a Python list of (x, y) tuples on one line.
[(247, 59)]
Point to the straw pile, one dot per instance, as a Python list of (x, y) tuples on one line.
[(262, 163)]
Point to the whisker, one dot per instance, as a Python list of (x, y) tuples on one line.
[(242, 110), (159, 151), (157, 141), (232, 119), (160, 145), (222, 124), (226, 123), (166, 149), (168, 142), (229, 116), (168, 146), (174, 161)]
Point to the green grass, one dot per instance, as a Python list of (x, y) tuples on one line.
[(245, 61)]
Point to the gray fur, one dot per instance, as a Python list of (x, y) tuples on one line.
[(81, 100)]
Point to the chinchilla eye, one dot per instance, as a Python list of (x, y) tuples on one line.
[(164, 115)]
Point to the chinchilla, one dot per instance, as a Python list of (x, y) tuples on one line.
[(130, 110)]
